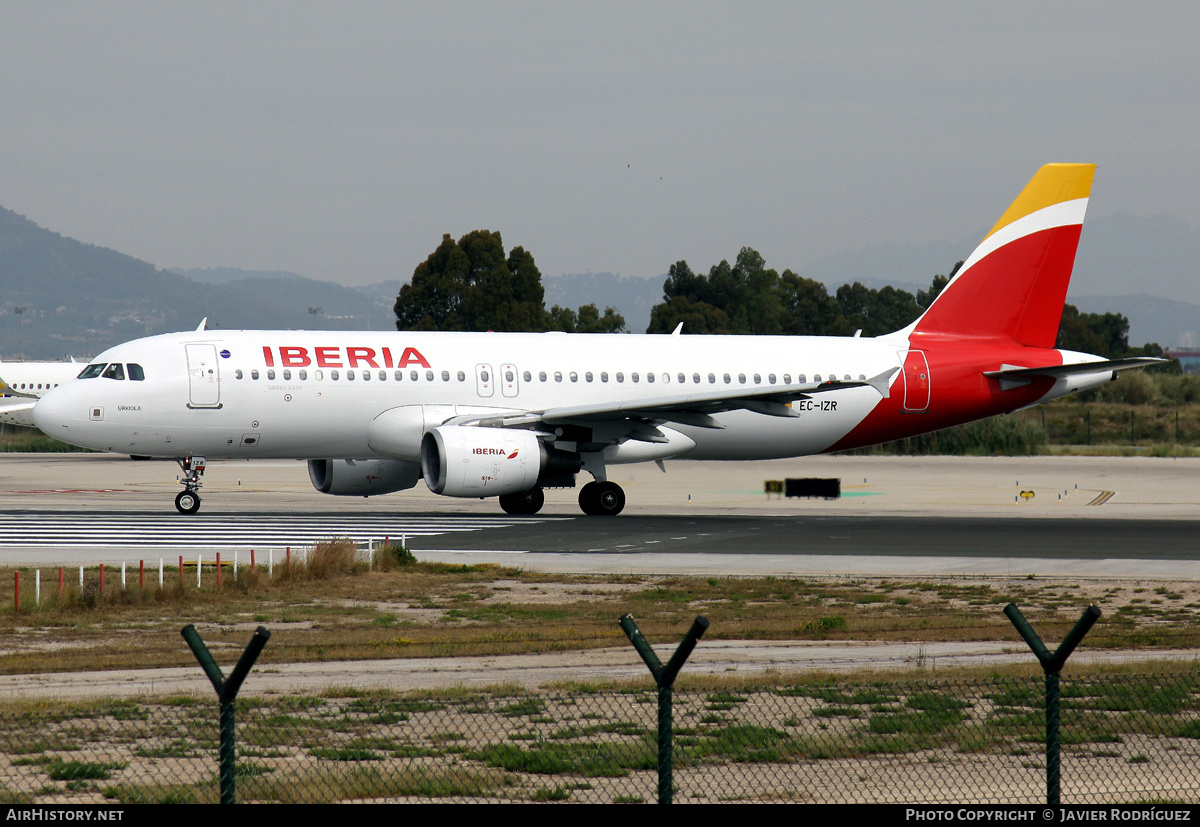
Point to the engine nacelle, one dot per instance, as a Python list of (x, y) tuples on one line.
[(362, 477), (465, 461)]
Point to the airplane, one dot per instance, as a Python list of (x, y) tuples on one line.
[(22, 383), (510, 414)]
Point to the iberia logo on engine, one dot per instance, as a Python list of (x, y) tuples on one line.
[(494, 451)]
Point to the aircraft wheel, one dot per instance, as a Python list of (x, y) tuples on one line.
[(524, 502), (587, 499), (602, 499), (188, 502)]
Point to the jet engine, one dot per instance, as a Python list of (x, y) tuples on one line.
[(466, 461), (362, 477)]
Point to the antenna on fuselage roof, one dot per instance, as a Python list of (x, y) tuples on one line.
[(203, 324), (678, 329)]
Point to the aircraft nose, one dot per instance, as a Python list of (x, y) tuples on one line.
[(52, 413)]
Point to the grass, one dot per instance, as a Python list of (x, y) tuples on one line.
[(328, 609)]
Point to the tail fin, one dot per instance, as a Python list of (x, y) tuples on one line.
[(1013, 286)]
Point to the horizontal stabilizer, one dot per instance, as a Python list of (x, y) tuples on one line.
[(1013, 376)]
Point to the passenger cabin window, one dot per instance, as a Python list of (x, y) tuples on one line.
[(114, 371)]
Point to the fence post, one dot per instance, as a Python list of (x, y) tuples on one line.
[(226, 694), (664, 676), (1052, 664)]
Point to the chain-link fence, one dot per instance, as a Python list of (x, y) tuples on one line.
[(1124, 739)]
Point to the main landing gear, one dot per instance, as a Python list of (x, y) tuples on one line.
[(601, 499), (597, 499), (188, 501), (524, 502)]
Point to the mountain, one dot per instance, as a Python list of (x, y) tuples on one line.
[(79, 298), (1151, 318)]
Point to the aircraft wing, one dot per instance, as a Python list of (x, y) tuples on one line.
[(1012, 376), (17, 413), (686, 407)]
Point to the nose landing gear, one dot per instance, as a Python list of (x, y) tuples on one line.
[(188, 501)]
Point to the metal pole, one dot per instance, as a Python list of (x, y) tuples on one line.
[(1052, 664), (664, 676), (227, 690)]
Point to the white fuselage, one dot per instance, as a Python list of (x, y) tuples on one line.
[(300, 394)]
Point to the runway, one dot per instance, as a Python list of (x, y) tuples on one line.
[(1088, 517)]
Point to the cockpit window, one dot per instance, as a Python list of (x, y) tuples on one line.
[(114, 371), (136, 374), (91, 371)]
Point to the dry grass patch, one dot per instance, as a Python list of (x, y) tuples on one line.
[(328, 606)]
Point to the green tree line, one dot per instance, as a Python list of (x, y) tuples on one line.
[(473, 285)]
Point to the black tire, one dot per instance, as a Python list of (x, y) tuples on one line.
[(524, 502), (587, 499), (602, 499), (187, 502)]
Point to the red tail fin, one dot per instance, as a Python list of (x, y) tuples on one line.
[(1013, 286)]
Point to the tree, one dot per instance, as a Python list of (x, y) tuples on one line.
[(471, 285), (1104, 334), (587, 320), (742, 297)]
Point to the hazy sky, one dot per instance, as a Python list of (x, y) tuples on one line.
[(341, 140)]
